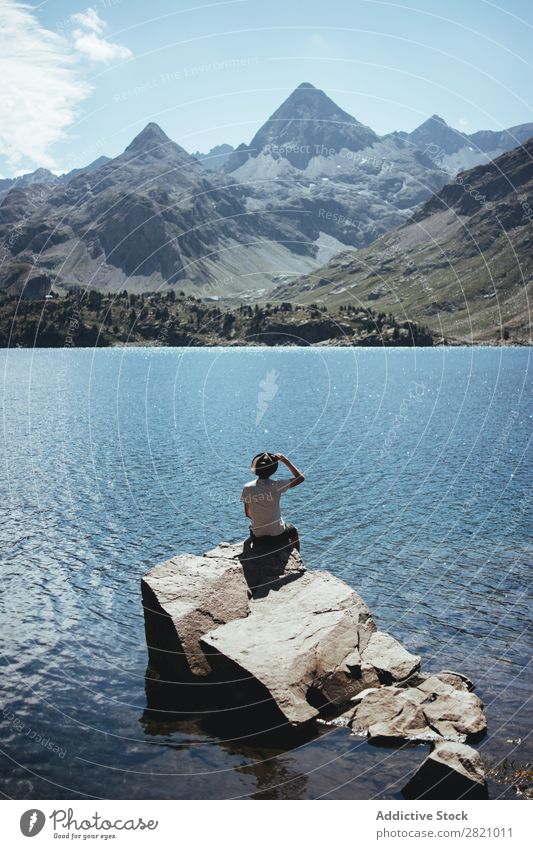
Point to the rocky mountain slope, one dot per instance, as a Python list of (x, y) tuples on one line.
[(463, 265), (312, 182), (150, 217), (343, 184)]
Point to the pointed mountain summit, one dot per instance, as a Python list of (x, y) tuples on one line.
[(152, 143), (307, 124), (436, 134), (335, 177), (455, 151), (150, 136)]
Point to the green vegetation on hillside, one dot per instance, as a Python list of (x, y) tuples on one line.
[(463, 294), (87, 319), (463, 265)]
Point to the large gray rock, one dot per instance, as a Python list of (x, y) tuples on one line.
[(451, 771), (184, 598), (389, 658), (301, 644), (262, 634)]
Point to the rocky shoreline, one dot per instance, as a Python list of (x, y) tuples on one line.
[(254, 637)]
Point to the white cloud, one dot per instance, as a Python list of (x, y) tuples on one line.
[(42, 88), (99, 49), (88, 38), (89, 19), (463, 123)]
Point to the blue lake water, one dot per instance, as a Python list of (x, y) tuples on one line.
[(417, 493)]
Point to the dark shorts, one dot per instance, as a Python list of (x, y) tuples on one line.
[(278, 541)]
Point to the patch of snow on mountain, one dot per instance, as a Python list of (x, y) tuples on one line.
[(327, 246), (464, 159)]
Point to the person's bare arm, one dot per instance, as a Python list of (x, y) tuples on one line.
[(246, 510), (298, 476)]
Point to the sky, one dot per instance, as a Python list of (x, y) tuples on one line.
[(81, 80)]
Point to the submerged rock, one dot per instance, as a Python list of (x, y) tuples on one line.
[(451, 771)]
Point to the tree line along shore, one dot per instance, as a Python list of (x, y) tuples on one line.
[(90, 318)]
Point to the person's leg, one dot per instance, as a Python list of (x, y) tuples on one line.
[(294, 539)]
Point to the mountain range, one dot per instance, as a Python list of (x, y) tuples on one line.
[(312, 182), (463, 265), (343, 184), (450, 148), (42, 176), (150, 217), (455, 151)]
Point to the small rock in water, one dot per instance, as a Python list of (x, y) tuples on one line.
[(451, 771)]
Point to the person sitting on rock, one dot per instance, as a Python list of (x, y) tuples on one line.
[(261, 499)]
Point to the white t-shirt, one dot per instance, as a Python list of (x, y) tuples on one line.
[(263, 497)]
